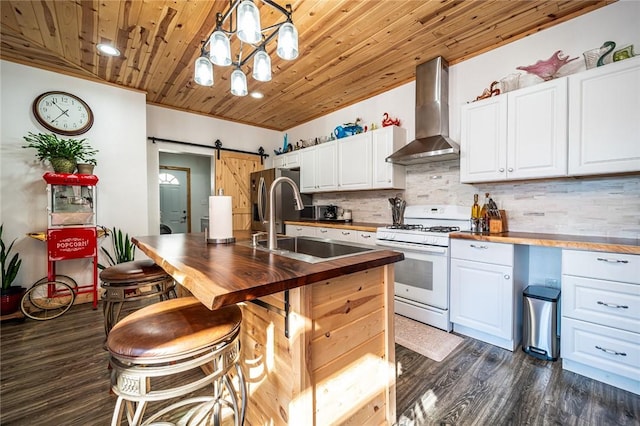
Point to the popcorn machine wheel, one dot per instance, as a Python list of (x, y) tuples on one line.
[(72, 234)]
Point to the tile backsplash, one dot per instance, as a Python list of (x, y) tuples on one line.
[(596, 206)]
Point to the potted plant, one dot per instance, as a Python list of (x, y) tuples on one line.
[(10, 295), (123, 249), (63, 154)]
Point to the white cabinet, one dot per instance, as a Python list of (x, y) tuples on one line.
[(601, 317), (299, 230), (386, 141), (354, 162), (519, 135), (290, 160), (337, 234), (365, 237), (486, 298), (318, 168), (604, 124)]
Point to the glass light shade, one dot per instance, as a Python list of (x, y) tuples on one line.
[(203, 71), (261, 66), (238, 83), (249, 30), (220, 49), (287, 41)]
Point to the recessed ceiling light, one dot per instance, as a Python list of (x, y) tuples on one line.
[(108, 50), (257, 95)]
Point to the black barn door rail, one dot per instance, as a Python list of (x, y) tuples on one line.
[(217, 146)]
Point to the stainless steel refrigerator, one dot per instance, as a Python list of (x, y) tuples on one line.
[(284, 202)]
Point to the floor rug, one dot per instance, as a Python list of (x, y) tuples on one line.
[(423, 339)]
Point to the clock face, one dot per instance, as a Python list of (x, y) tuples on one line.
[(63, 113)]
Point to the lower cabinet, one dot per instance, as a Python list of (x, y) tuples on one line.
[(340, 234), (601, 317), (486, 297)]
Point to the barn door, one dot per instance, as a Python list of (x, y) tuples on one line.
[(233, 170)]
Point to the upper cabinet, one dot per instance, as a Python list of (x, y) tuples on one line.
[(318, 168), (386, 141), (520, 135), (353, 163), (290, 160), (604, 119), (583, 124)]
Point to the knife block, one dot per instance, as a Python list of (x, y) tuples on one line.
[(498, 225)]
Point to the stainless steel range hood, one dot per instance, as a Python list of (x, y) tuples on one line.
[(432, 141)]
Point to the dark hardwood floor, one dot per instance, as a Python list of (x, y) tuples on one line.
[(55, 373)]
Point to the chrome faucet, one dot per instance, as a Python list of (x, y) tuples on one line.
[(271, 234)]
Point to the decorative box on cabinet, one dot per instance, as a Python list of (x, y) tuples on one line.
[(487, 280), (518, 135), (604, 129), (290, 160), (601, 317)]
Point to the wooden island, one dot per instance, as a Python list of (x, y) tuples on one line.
[(317, 339)]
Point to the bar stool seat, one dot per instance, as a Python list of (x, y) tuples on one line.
[(154, 350), (129, 282)]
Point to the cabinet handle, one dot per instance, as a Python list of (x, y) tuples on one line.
[(323, 231), (478, 247), (603, 259), (501, 169), (365, 236), (510, 169), (346, 233), (611, 351), (507, 276), (613, 305)]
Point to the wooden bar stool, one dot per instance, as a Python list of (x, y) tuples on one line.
[(130, 282), (156, 349)]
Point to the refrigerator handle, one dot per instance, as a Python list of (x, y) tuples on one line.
[(262, 195)]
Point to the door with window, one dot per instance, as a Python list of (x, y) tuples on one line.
[(175, 214)]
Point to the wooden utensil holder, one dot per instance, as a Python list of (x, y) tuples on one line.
[(498, 225)]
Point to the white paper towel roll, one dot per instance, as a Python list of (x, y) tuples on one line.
[(220, 217)]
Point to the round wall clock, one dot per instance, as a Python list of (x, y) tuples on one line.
[(63, 113)]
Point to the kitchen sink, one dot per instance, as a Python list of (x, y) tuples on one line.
[(314, 250)]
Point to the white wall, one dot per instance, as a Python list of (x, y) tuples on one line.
[(198, 129), (118, 132), (605, 206)]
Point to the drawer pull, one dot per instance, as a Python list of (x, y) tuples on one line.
[(346, 233), (323, 231), (613, 305), (611, 351), (478, 247), (365, 236), (603, 259)]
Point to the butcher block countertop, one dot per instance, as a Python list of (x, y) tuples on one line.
[(358, 226), (577, 242), (225, 274)]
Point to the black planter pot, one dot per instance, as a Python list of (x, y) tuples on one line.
[(10, 300)]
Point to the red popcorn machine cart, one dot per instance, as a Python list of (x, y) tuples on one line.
[(72, 233)]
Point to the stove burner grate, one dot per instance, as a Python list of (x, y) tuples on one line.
[(421, 228)]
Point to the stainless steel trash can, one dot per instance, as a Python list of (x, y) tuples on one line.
[(540, 322)]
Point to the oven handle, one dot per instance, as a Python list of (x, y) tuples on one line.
[(415, 247)]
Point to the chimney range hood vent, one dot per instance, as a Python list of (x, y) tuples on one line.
[(432, 141)]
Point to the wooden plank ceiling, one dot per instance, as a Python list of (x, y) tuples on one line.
[(349, 49)]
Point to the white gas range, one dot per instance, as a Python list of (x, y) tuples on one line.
[(422, 278)]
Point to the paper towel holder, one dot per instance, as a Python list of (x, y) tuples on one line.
[(228, 240)]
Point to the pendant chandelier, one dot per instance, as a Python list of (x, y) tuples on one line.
[(248, 31)]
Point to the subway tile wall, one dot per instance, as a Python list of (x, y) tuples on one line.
[(596, 206)]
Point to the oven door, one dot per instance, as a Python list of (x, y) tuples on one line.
[(423, 275)]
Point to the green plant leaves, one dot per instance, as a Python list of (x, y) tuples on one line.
[(49, 146), (10, 269)]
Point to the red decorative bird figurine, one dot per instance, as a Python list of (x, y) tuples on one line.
[(547, 69)]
